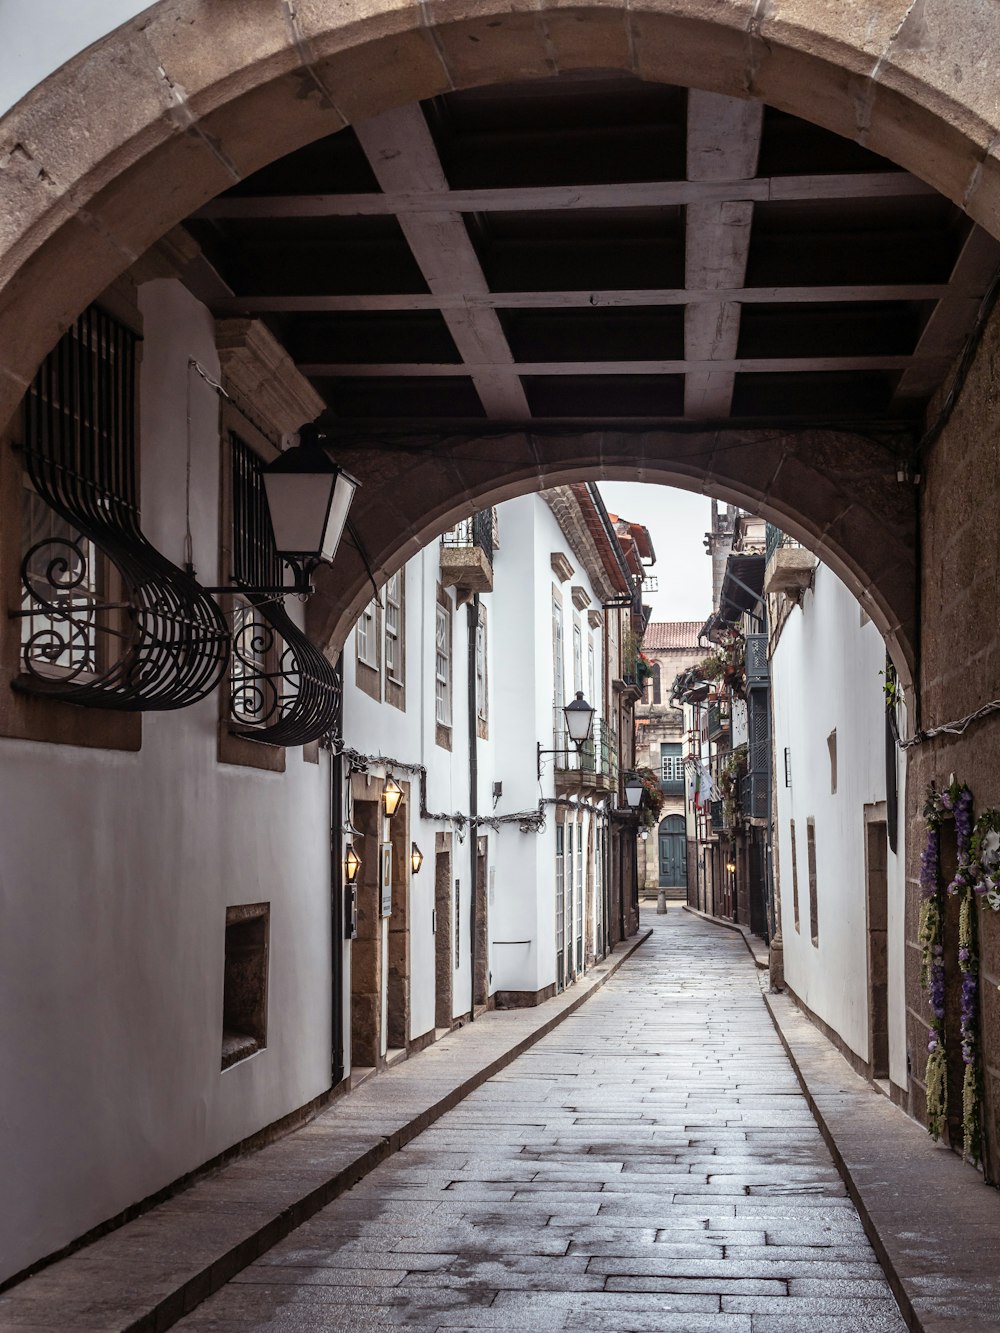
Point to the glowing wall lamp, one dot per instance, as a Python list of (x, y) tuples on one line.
[(392, 794), (352, 864), (416, 858)]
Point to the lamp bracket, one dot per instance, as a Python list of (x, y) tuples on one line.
[(579, 747)]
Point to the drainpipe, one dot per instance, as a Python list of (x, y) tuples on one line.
[(473, 614), (337, 907)]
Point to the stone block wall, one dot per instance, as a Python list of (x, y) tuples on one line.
[(959, 672)]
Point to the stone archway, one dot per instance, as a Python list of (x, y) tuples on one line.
[(837, 493), (203, 95)]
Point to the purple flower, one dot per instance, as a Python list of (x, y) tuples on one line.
[(932, 1045), (963, 955)]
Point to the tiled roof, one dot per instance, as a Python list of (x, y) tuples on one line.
[(672, 634)]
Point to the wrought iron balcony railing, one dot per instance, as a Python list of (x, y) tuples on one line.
[(467, 553)]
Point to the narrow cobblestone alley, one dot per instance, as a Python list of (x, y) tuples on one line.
[(649, 1165)]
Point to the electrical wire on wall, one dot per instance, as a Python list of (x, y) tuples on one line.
[(529, 821)]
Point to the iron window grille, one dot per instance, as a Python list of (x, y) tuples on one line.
[(283, 691), (109, 622)]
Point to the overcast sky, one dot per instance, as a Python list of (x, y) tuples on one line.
[(677, 522)]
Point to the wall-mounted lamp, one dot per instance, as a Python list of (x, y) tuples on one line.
[(416, 858), (392, 794), (579, 723), (644, 834), (633, 791), (352, 864), (731, 867), (308, 497)]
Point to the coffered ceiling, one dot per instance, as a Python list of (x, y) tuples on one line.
[(599, 250)]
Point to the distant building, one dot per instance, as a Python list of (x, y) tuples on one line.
[(670, 647)]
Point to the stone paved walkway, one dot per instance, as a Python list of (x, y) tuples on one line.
[(649, 1165)]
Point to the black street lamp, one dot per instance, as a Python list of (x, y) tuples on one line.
[(308, 496), (633, 791), (579, 717)]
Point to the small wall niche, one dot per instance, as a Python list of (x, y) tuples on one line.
[(244, 1002)]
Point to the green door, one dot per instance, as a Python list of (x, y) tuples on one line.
[(673, 852)]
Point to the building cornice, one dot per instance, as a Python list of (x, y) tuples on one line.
[(259, 370), (565, 505)]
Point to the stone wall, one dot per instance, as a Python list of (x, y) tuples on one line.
[(960, 671)]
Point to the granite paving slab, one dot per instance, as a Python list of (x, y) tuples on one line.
[(144, 1276), (652, 1164)]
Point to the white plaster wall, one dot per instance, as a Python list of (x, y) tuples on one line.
[(524, 907), (825, 675), (115, 873)]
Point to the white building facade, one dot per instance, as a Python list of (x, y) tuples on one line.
[(455, 682), (838, 830), (180, 969)]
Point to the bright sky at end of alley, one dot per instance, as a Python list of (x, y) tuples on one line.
[(677, 521)]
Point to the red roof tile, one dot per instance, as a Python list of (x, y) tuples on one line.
[(672, 634)]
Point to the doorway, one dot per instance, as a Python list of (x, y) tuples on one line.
[(877, 891), (673, 853)]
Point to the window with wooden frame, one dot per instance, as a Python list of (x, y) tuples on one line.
[(368, 650), (443, 669), (813, 891), (367, 639), (394, 650), (482, 677)]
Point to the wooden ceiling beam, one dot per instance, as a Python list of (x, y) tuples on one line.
[(557, 198), (401, 152), (723, 143), (731, 366), (572, 300), (952, 319)]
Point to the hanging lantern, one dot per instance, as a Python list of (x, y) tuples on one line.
[(392, 794), (416, 858), (352, 864)]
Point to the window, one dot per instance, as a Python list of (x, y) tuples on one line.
[(79, 449), (108, 642), (482, 683), (795, 873), (577, 655), (244, 991), (558, 666), (672, 769), (366, 636), (813, 905), (60, 589), (592, 675), (442, 666), (282, 690), (394, 629)]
